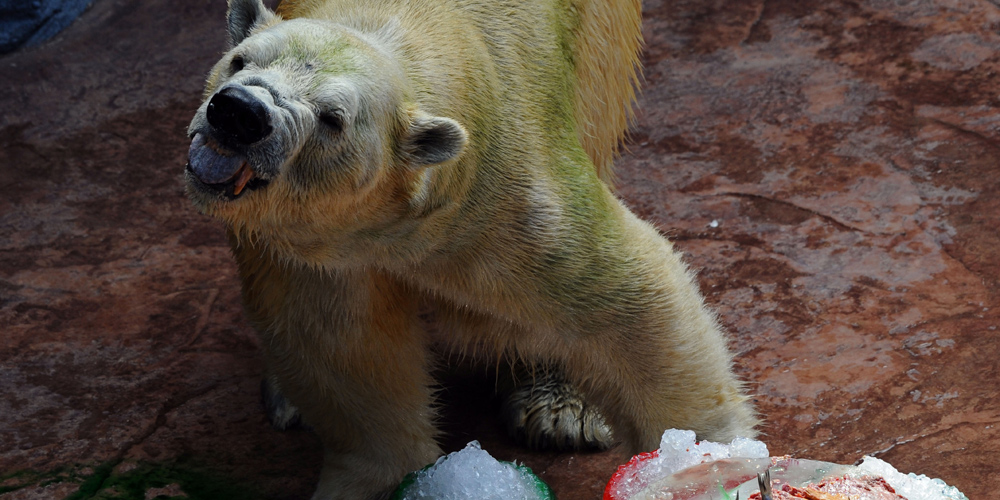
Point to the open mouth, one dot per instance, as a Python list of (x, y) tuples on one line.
[(219, 170)]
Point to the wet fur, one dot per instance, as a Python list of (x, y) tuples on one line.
[(462, 178)]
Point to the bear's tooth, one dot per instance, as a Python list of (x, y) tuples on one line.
[(245, 174)]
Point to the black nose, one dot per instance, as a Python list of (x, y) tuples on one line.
[(237, 113)]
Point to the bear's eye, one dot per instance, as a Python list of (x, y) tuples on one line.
[(332, 120), (236, 65)]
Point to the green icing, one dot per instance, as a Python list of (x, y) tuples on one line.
[(543, 490)]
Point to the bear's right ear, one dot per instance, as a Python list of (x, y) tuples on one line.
[(243, 16), (433, 139)]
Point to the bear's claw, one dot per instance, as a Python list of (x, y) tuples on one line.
[(544, 412), (281, 413)]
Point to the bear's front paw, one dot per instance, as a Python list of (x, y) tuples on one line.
[(545, 412), (282, 414)]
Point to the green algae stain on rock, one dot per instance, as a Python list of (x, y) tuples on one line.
[(57, 483), (173, 480), (17, 480)]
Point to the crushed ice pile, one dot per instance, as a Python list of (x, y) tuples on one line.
[(911, 486), (678, 451), (472, 473)]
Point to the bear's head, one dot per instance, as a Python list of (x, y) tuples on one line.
[(309, 130)]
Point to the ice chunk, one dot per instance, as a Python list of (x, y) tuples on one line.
[(679, 450), (911, 486), (472, 473), (748, 448)]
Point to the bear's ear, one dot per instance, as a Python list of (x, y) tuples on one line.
[(433, 139), (243, 15)]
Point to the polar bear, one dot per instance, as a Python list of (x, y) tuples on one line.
[(373, 159)]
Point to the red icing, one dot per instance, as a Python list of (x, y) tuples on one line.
[(625, 471)]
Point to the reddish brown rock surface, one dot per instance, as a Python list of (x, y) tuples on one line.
[(829, 167)]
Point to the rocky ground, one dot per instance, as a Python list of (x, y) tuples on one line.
[(829, 167)]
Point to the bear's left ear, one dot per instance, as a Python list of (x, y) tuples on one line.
[(433, 139), (243, 16)]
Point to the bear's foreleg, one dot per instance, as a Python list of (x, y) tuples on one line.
[(652, 357), (346, 349), (610, 305), (361, 383)]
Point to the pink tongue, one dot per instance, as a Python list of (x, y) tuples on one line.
[(210, 165)]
